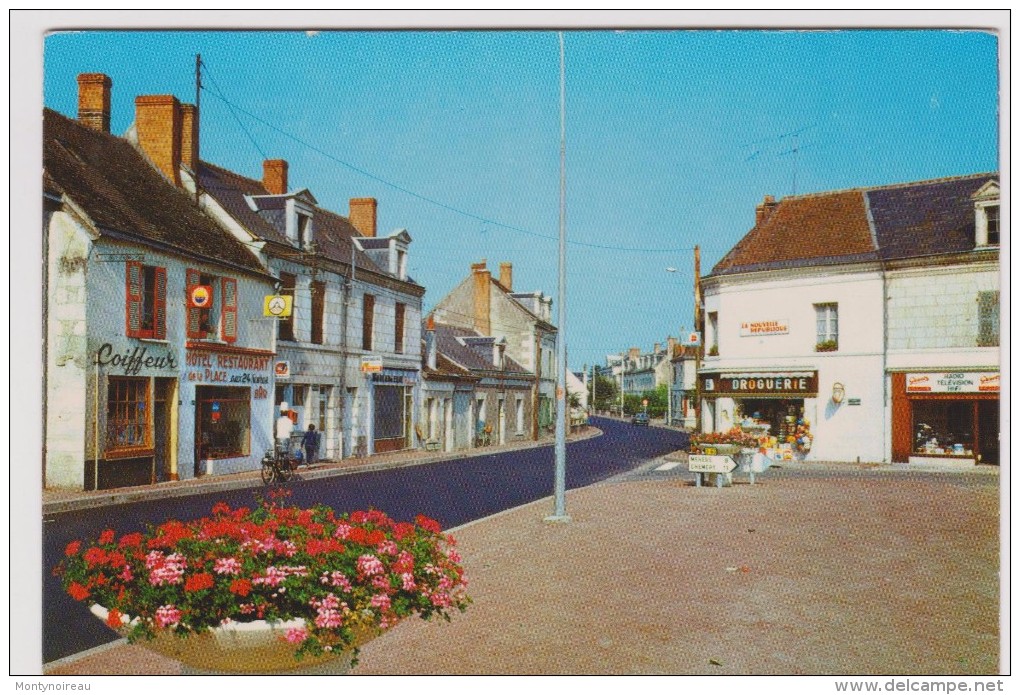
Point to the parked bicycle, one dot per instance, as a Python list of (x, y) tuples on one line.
[(279, 465)]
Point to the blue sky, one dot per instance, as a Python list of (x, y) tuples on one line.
[(673, 137)]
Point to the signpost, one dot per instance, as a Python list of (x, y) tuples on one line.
[(702, 463)]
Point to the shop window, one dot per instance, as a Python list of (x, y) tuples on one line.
[(288, 283), (713, 333), (146, 301), (988, 319), (223, 421), (128, 417), (318, 310), (323, 407), (943, 428), (398, 329), (367, 321), (827, 327)]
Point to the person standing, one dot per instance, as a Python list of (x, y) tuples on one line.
[(284, 428), (311, 444)]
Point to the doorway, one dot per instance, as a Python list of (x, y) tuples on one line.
[(988, 431)]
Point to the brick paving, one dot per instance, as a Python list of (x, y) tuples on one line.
[(850, 572)]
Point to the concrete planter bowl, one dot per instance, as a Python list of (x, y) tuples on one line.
[(251, 648)]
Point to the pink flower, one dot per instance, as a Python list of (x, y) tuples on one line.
[(274, 577), (387, 547), (380, 601), (381, 581), (337, 578), (165, 569), (453, 555), (227, 565), (297, 635), (167, 616), (343, 531), (407, 580), (247, 608), (369, 565)]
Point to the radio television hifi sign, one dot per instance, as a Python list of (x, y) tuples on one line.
[(953, 382)]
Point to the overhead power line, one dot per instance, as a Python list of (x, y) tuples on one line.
[(235, 109)]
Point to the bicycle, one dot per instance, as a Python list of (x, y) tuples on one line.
[(279, 465)]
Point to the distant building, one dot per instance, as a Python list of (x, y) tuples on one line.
[(862, 324), (490, 307)]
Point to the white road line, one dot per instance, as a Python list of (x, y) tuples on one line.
[(668, 466)]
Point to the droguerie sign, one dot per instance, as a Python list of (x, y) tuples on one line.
[(953, 382), (207, 368), (802, 384)]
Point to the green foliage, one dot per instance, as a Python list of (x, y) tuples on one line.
[(607, 393)]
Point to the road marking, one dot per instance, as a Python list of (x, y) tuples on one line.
[(668, 466)]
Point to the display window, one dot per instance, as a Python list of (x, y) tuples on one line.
[(943, 428), (128, 417), (223, 421), (779, 423)]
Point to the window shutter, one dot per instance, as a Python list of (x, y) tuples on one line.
[(159, 306), (134, 299), (229, 309), (194, 328)]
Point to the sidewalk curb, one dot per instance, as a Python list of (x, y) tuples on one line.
[(251, 480)]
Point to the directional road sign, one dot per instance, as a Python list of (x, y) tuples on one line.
[(700, 463)]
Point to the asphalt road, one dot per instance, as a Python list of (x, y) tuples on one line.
[(453, 492)]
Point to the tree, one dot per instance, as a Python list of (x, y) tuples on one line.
[(607, 393)]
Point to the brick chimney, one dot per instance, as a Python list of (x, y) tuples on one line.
[(189, 136), (158, 123), (506, 276), (94, 100), (274, 176), (635, 353), (363, 215), (482, 277), (763, 211)]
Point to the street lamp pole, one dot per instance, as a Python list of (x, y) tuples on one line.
[(560, 512)]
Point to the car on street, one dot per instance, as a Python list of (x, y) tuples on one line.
[(639, 419)]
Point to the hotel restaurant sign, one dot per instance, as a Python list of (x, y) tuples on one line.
[(760, 384)]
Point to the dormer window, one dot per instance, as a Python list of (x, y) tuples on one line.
[(300, 230), (987, 223), (304, 229)]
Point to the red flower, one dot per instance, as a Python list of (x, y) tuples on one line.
[(113, 619), (95, 556), (131, 540), (375, 537), (198, 582), (241, 587), (72, 548), (403, 529), (358, 535), (106, 537), (77, 591), (220, 508), (359, 517), (427, 523)]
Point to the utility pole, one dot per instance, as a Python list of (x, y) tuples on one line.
[(198, 116)]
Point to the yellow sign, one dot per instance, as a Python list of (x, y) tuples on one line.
[(278, 306), (371, 364)]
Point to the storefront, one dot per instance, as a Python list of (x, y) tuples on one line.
[(945, 417), (778, 405), (392, 409), (229, 389), (134, 391)]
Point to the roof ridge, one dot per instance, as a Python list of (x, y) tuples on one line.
[(888, 186)]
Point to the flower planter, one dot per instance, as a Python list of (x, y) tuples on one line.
[(257, 647)]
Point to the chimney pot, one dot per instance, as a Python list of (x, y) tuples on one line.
[(94, 100), (158, 123), (482, 299), (274, 176), (763, 211), (363, 215)]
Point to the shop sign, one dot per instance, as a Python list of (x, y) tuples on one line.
[(282, 369), (750, 328), (395, 376), (209, 368), (371, 364), (953, 382), (853, 401), (134, 359), (761, 384)]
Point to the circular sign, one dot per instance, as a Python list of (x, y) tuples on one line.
[(200, 296), (215, 406), (277, 306)]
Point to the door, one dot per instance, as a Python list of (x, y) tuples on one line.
[(162, 434), (988, 431)]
